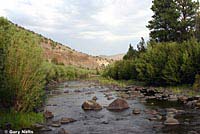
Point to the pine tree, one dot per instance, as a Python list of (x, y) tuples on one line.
[(187, 10), (131, 54), (141, 46), (173, 20), (197, 25), (165, 19)]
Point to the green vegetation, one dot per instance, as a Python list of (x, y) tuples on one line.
[(63, 73), (23, 78), (196, 84), (161, 64), (20, 120)]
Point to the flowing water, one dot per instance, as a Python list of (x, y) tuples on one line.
[(68, 104)]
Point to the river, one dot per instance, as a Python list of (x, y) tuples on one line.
[(67, 98)]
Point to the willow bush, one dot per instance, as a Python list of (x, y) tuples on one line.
[(23, 76)]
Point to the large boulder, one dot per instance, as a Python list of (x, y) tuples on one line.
[(91, 105), (118, 104)]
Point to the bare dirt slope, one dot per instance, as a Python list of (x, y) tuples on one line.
[(60, 54)]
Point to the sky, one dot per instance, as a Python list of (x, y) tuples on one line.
[(96, 27)]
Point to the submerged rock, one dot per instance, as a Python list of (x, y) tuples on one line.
[(198, 104), (118, 104), (173, 98), (183, 98), (37, 126), (191, 104), (55, 124), (171, 110), (91, 105), (48, 114), (110, 98), (136, 111), (65, 120), (62, 131), (45, 129)]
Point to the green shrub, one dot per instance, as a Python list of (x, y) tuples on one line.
[(161, 64), (61, 72), (23, 77)]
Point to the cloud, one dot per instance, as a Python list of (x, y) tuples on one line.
[(106, 23), (109, 36)]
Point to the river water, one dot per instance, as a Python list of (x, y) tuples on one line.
[(70, 96)]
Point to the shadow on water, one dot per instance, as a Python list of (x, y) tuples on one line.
[(164, 103)]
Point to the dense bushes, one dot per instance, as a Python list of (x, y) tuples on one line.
[(23, 78), (61, 72), (161, 64), (121, 70)]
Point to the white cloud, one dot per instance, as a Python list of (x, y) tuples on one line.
[(109, 36)]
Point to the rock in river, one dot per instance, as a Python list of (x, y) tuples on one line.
[(136, 111), (62, 131), (171, 121), (94, 98), (65, 120), (91, 105), (118, 104), (48, 114)]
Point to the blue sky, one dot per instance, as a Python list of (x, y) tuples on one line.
[(97, 27)]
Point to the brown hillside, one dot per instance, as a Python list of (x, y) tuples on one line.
[(60, 54)]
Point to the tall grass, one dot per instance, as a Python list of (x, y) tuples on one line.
[(62, 73), (20, 120)]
